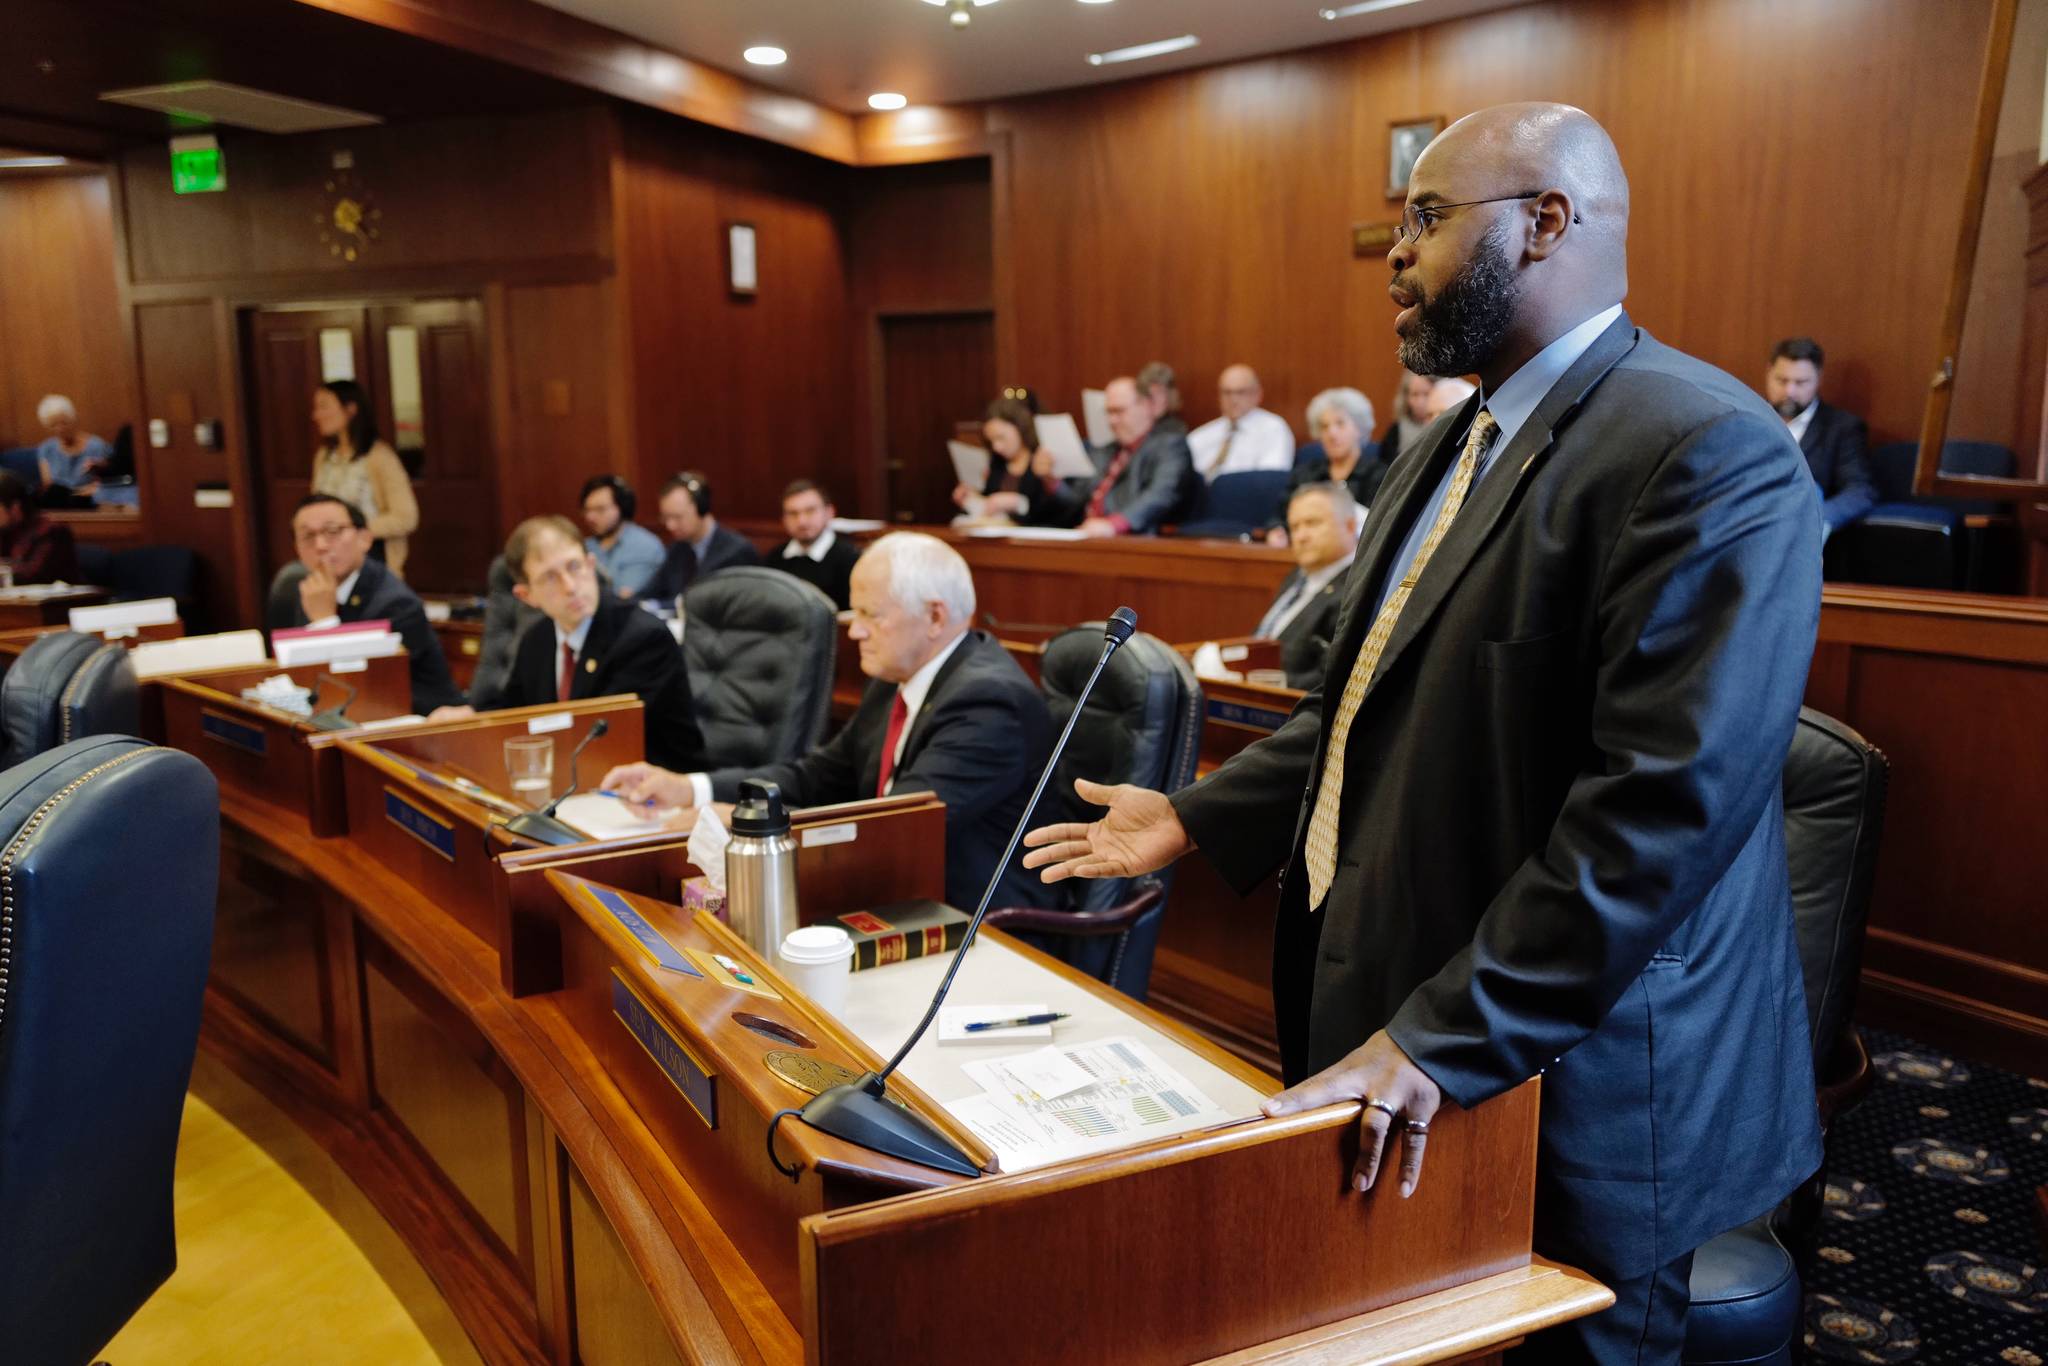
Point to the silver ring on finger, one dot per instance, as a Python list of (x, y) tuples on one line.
[(1418, 1127), (1375, 1103)]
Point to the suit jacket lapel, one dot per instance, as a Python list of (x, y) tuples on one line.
[(1809, 440), (363, 590), (920, 724), (1498, 491)]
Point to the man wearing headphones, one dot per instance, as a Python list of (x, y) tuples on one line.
[(700, 545), (627, 554)]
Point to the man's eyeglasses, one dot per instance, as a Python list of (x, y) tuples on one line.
[(1418, 218), (314, 535)]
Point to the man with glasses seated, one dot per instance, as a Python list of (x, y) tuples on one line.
[(594, 644), (343, 584)]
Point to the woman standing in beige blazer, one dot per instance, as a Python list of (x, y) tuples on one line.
[(354, 464)]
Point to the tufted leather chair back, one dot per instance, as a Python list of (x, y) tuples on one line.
[(760, 646), (65, 687), (1142, 725), (109, 854), (506, 619)]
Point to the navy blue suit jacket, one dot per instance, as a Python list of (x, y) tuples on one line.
[(1561, 843)]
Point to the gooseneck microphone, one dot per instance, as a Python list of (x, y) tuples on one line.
[(541, 826), (859, 1111)]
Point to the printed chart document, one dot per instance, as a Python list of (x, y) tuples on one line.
[(970, 464), (1058, 434), (1070, 1100)]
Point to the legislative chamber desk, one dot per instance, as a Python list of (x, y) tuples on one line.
[(573, 1137)]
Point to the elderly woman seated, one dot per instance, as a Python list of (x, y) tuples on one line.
[(1341, 421), (68, 458)]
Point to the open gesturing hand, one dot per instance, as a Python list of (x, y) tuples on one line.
[(1375, 1071), (1138, 834)]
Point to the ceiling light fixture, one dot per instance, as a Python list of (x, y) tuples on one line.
[(765, 56), (959, 13), (886, 100), (31, 163), (1144, 50), (1363, 7)]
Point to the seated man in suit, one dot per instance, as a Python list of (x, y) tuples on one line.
[(1244, 436), (1146, 475), (593, 644), (1833, 440), (1322, 531), (700, 545), (948, 712), (343, 583), (814, 552)]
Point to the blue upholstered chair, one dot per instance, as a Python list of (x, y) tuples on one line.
[(1907, 541), (1234, 504), (1142, 725), (65, 687), (21, 462), (109, 854)]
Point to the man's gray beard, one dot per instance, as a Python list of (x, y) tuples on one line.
[(1787, 409), (1462, 328)]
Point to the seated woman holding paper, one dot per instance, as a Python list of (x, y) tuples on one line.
[(1019, 473)]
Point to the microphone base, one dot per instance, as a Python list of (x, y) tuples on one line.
[(544, 829), (869, 1119), (329, 720)]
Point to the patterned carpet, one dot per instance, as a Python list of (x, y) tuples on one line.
[(1929, 1250)]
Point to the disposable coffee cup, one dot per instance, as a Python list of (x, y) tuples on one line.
[(818, 961)]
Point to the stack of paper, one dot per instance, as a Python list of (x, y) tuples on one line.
[(351, 640), (189, 654), (1067, 1101)]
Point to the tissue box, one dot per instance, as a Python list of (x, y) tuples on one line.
[(700, 895)]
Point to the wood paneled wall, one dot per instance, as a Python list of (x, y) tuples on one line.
[(753, 390), (1795, 169), (60, 314)]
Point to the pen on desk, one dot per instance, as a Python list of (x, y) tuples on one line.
[(976, 1026), (622, 797)]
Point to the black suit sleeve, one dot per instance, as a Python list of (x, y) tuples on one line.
[(1158, 500), (830, 773), (1242, 816), (970, 755), (1853, 493), (1712, 585), (432, 685)]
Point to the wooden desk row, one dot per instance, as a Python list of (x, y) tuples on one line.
[(573, 1137)]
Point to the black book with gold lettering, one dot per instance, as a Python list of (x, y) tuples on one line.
[(903, 930)]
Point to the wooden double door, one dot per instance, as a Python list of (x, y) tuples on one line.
[(423, 365)]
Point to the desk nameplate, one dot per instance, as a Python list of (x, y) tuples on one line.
[(658, 948), (423, 825), (1238, 714), (233, 732), (677, 1063)]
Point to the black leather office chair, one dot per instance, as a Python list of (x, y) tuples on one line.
[(65, 687), (1745, 1284), (109, 853), (1142, 725), (506, 619), (760, 646), (282, 601)]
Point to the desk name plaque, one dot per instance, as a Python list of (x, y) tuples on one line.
[(658, 948), (676, 1062), (429, 829), (1237, 714), (233, 733)]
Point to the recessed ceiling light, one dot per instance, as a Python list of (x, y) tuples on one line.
[(1094, 2), (977, 3), (31, 163), (1363, 7), (766, 56), (1144, 50), (886, 99)]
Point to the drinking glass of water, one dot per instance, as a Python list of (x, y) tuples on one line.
[(530, 764)]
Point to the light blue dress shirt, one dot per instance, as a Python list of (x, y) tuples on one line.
[(1512, 406), (633, 560), (69, 470)]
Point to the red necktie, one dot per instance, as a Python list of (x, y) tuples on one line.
[(568, 679), (899, 717), (1110, 476)]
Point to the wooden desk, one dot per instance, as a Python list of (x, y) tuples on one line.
[(1180, 589), (24, 607), (571, 1204), (262, 754), (462, 644)]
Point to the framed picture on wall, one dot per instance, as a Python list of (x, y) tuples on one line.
[(1405, 141), (741, 271)]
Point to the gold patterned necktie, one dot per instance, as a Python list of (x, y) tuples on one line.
[(1321, 850)]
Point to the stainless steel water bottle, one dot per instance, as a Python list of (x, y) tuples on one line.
[(760, 869)]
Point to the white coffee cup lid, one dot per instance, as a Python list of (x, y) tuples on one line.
[(817, 944)]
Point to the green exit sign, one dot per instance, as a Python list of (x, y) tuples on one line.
[(197, 165)]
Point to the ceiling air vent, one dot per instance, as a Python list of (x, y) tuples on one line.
[(240, 107)]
